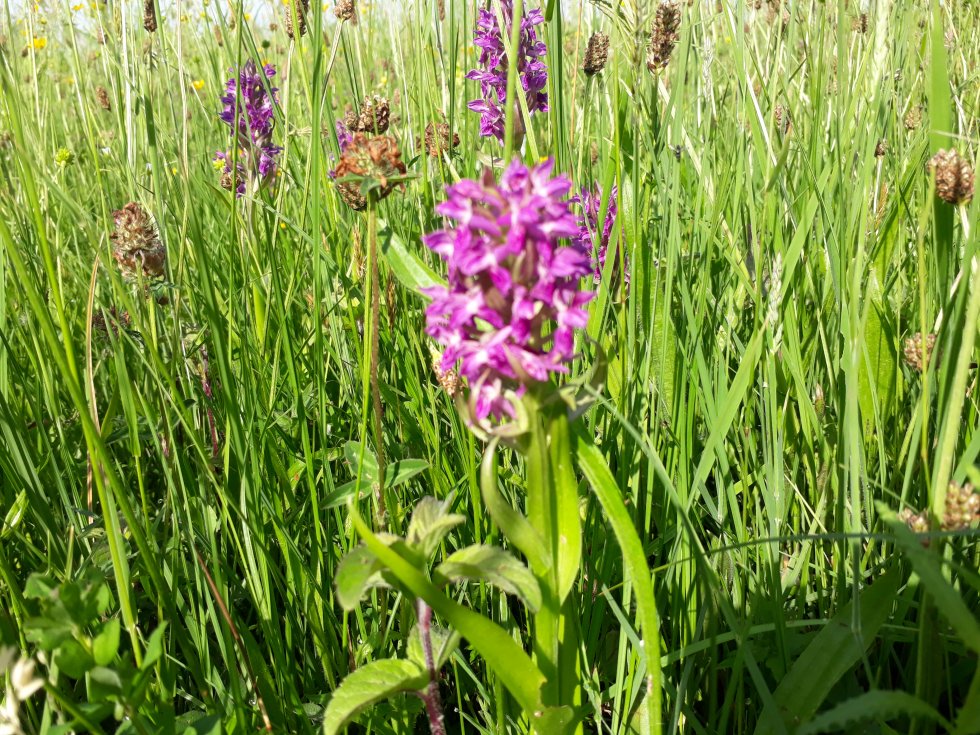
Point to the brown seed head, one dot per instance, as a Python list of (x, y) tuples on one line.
[(449, 380), (962, 507), (149, 16), (664, 35), (438, 139), (784, 123), (346, 10), (374, 117), (6, 140), (302, 8), (916, 522), (596, 54), (913, 351), (135, 244), (218, 38), (375, 158), (881, 148), (113, 324), (441, 8), (102, 97), (954, 177), (913, 118)]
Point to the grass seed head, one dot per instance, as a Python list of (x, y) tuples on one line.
[(102, 97), (302, 8), (596, 54), (954, 177), (135, 244), (664, 36), (439, 140), (913, 351), (149, 16), (962, 507), (913, 118), (346, 10), (881, 148)]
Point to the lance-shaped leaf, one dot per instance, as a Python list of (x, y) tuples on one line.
[(369, 684), (492, 565)]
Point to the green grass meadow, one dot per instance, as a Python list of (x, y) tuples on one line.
[(186, 460)]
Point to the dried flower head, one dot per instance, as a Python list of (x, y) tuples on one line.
[(962, 507), (249, 111), (375, 160), (784, 122), (374, 117), (954, 177), (218, 37), (915, 354), (149, 16), (881, 148), (301, 8), (913, 118), (113, 324), (512, 305), (6, 140), (346, 10), (439, 139), (596, 53), (135, 244), (493, 42), (664, 35), (590, 238), (102, 97)]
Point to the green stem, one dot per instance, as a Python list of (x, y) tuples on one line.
[(512, 108)]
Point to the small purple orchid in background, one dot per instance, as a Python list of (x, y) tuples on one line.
[(252, 105), (590, 201), (513, 303), (492, 76)]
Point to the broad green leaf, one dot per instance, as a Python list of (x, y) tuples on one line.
[(877, 374), (568, 517), (500, 651), (357, 572), (596, 471), (877, 706), (927, 565), (555, 720), (968, 718), (407, 266), (830, 655), (154, 646), (369, 684), (495, 566), (431, 521), (513, 525), (396, 473), (72, 659), (443, 641), (106, 644)]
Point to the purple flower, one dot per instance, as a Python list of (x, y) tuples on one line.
[(513, 303), (249, 111), (492, 75), (590, 201)]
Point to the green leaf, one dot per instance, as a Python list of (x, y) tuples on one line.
[(154, 647), (830, 655), (500, 651), (369, 684), (396, 473), (106, 643), (878, 706), (878, 372), (72, 659), (568, 527), (596, 471), (443, 641), (408, 267), (495, 566), (431, 521), (103, 683), (16, 512), (968, 718), (513, 525), (927, 565), (357, 572)]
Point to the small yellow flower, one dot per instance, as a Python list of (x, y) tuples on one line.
[(40, 42), (248, 17), (79, 6), (198, 84), (282, 225), (173, 170)]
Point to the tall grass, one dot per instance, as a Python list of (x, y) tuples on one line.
[(758, 415)]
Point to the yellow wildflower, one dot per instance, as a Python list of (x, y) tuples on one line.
[(40, 42), (198, 84)]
